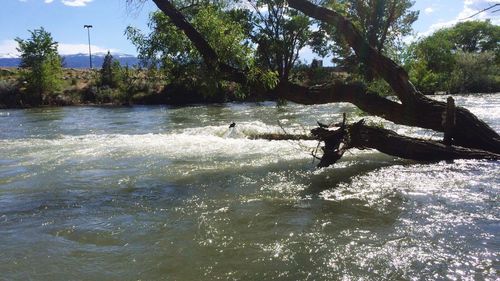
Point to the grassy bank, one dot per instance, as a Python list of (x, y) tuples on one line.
[(84, 87), (132, 86), (138, 86)]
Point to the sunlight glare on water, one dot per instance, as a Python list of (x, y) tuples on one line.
[(160, 193)]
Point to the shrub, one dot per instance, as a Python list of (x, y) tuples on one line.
[(41, 63)]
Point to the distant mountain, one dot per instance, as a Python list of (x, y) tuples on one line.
[(77, 60), (9, 62)]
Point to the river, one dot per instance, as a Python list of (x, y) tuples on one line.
[(166, 193)]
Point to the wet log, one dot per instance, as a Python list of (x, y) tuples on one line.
[(362, 136), (414, 109), (449, 121), (279, 137), (337, 140), (419, 110), (334, 142)]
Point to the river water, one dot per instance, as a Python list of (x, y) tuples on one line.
[(164, 193)]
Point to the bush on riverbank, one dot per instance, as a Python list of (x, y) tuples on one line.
[(41, 64), (142, 86)]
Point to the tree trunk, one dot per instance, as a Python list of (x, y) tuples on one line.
[(419, 110), (361, 136), (414, 109), (208, 53)]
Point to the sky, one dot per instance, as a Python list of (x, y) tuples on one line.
[(65, 19)]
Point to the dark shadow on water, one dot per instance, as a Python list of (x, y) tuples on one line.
[(301, 172), (333, 176)]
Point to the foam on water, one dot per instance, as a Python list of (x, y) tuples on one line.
[(193, 143), (157, 193)]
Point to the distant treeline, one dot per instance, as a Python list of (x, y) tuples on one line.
[(264, 41), (464, 58)]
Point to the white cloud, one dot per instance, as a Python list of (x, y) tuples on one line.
[(48, 1), (429, 10), (471, 2), (76, 3), (8, 49), (470, 8)]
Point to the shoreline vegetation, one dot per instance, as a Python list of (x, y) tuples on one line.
[(181, 66), (82, 87), (124, 86)]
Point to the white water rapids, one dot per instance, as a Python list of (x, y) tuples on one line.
[(164, 193)]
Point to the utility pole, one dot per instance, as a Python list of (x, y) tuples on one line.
[(88, 27)]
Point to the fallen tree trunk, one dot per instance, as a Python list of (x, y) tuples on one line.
[(425, 113), (418, 110), (476, 137), (279, 137), (389, 142), (362, 136)]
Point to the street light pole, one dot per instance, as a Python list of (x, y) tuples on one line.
[(88, 27)]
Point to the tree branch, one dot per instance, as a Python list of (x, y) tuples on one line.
[(395, 75), (361, 136), (418, 110), (209, 55)]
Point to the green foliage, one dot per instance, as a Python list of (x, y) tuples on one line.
[(475, 72), (263, 44), (476, 36), (41, 62), (462, 58), (425, 80), (382, 22), (380, 87), (128, 85), (280, 33), (267, 78), (110, 71), (7, 91), (168, 48)]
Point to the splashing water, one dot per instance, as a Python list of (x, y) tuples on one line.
[(159, 193)]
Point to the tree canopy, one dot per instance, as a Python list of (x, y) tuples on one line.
[(382, 22), (41, 60), (168, 48), (462, 58), (279, 33), (110, 72)]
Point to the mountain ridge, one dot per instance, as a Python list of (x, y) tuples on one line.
[(76, 60)]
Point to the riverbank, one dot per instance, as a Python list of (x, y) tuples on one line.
[(155, 192), (82, 87)]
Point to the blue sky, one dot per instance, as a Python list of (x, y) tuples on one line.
[(65, 20)]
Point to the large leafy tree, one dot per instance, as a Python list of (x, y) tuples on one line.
[(382, 22), (462, 58), (41, 61), (264, 36), (169, 48), (279, 33), (476, 36), (473, 133)]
